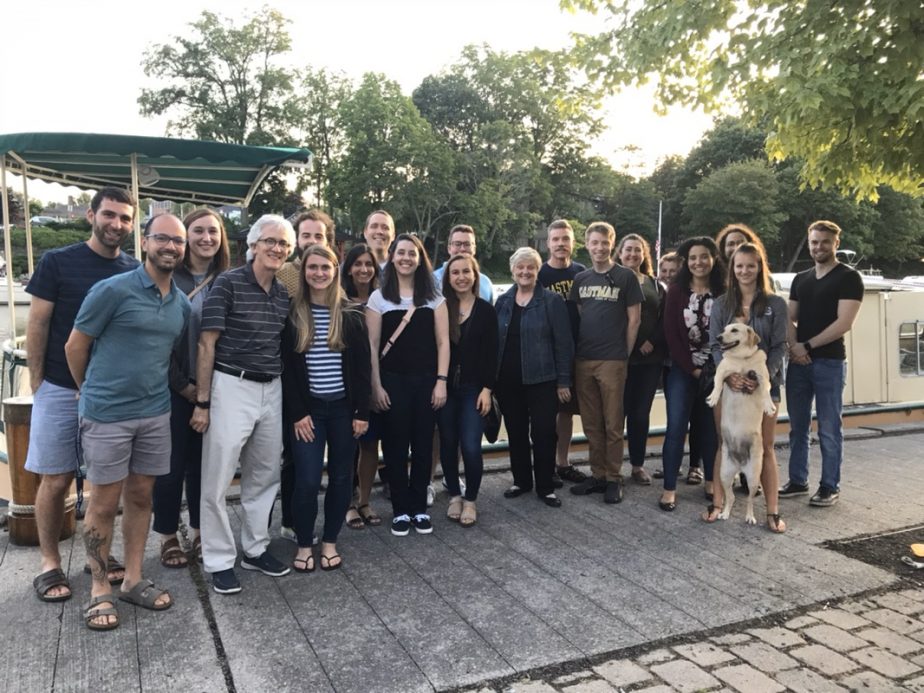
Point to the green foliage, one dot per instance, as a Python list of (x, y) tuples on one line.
[(838, 86), (43, 238), (744, 191), (224, 82)]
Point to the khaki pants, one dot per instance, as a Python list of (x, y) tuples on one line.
[(245, 424), (600, 386)]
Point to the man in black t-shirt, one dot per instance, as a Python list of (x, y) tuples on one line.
[(823, 304), (60, 283), (557, 274), (609, 298)]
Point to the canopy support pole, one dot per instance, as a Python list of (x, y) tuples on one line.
[(8, 247), (137, 216)]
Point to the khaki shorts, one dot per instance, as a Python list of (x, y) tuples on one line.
[(112, 451)]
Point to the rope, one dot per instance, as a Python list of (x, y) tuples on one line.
[(19, 509)]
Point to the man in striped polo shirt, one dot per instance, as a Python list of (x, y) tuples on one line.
[(239, 407)]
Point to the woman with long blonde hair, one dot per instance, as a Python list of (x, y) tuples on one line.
[(326, 385)]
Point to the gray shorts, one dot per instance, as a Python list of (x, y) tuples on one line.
[(53, 447), (114, 450)]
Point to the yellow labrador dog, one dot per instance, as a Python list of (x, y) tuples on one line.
[(742, 412)]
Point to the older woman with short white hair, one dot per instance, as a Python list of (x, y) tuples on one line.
[(535, 351)]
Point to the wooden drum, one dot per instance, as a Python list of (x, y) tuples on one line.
[(17, 415)]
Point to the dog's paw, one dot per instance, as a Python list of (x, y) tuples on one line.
[(712, 400), (751, 520), (770, 411), (725, 514)]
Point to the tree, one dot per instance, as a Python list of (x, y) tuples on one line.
[(745, 191), (318, 114), (838, 86), (35, 207), (392, 158), (224, 83)]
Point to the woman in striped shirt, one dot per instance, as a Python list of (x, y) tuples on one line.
[(326, 384)]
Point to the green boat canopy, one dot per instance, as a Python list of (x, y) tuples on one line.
[(210, 173)]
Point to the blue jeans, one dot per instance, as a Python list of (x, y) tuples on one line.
[(461, 426), (641, 384), (823, 380), (333, 429), (408, 426), (686, 407)]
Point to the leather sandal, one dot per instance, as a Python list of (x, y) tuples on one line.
[(145, 595), (775, 523), (711, 514), (327, 562), (454, 512), (112, 566), (469, 515), (94, 611), (353, 519), (368, 514), (44, 583), (171, 555), (303, 565)]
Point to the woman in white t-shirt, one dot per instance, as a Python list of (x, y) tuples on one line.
[(409, 337)]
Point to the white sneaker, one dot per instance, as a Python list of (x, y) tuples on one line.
[(431, 495), (461, 487)]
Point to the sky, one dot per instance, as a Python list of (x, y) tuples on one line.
[(70, 66)]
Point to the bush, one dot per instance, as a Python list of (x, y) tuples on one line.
[(43, 239)]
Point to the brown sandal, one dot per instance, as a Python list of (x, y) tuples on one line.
[(712, 513), (368, 515), (171, 555), (775, 523), (353, 519)]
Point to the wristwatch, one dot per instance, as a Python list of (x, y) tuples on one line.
[(807, 346), (203, 405)]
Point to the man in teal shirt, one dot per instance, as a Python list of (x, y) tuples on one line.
[(119, 353)]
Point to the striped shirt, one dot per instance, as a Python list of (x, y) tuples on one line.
[(250, 321), (325, 367)]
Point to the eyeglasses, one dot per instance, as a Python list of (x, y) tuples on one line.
[(274, 243), (462, 244), (164, 239)]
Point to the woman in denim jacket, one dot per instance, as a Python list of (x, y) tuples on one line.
[(535, 351), (750, 300)]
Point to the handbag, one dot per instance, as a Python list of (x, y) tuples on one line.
[(492, 420)]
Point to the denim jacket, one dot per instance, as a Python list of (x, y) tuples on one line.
[(770, 326), (547, 346)]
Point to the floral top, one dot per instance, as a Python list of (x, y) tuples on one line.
[(696, 320), (686, 327)]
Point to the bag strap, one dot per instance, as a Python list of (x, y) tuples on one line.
[(398, 330), (202, 285)]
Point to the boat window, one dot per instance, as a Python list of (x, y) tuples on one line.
[(911, 348)]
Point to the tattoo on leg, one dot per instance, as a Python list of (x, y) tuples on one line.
[(94, 542)]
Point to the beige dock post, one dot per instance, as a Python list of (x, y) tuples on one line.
[(17, 415)]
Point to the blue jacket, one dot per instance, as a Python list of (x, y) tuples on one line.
[(546, 343)]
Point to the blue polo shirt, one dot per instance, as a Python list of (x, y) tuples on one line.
[(134, 331)]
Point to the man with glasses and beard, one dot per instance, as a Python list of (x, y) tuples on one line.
[(119, 354), (58, 286)]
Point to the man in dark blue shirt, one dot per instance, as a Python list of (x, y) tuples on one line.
[(60, 283)]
